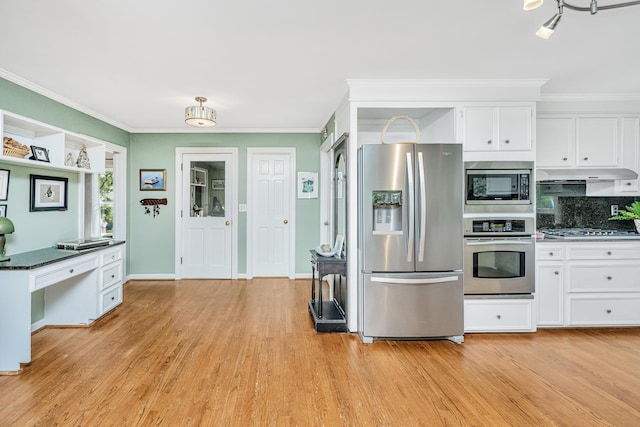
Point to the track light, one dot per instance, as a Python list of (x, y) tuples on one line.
[(548, 27), (532, 4)]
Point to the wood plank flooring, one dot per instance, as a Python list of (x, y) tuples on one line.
[(244, 353)]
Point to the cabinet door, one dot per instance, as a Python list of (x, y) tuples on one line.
[(549, 285), (554, 142), (479, 129), (514, 131), (598, 142)]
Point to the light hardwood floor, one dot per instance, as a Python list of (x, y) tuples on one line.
[(244, 353)]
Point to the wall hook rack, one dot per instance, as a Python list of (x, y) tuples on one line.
[(154, 204)]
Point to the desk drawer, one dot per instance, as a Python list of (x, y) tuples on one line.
[(110, 299), (63, 270), (110, 275), (111, 255)]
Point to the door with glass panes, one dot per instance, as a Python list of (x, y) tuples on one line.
[(206, 216)]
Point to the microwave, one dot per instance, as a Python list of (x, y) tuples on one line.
[(498, 187)]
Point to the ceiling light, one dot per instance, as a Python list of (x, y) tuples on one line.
[(545, 31), (199, 115), (547, 28), (532, 4)]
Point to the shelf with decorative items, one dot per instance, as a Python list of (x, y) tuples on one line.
[(31, 143)]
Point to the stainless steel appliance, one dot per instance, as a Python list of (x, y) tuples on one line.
[(499, 256), (588, 234), (499, 187), (410, 241)]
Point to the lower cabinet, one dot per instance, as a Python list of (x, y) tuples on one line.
[(110, 280), (499, 315), (588, 283)]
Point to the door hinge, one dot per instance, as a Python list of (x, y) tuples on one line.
[(181, 260), (181, 167), (180, 213)]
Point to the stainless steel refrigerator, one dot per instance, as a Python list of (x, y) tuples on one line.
[(410, 232)]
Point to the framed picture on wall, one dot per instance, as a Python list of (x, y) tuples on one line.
[(4, 184), (48, 193), (217, 184), (307, 185), (153, 179), (3, 210)]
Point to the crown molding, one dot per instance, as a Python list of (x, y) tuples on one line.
[(589, 97)]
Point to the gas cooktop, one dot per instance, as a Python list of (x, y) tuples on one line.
[(588, 234)]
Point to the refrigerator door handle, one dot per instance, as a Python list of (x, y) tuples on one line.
[(415, 281), (411, 208), (423, 207)]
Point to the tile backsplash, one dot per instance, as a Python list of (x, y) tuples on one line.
[(584, 212)]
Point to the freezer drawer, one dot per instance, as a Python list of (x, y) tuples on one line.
[(425, 305)]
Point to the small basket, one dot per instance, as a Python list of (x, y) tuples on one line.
[(15, 152), (405, 117)]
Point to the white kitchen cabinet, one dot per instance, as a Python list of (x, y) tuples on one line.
[(110, 279), (571, 141), (505, 128), (596, 283), (499, 315), (60, 148)]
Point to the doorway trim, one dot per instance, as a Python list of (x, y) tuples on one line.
[(291, 152), (180, 151)]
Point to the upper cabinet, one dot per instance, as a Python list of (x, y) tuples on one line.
[(34, 144), (505, 128), (589, 142)]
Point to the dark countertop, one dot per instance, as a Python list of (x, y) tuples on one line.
[(41, 257)]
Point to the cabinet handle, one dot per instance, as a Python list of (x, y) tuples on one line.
[(113, 276), (499, 316), (608, 252), (608, 311), (113, 256), (71, 270), (609, 278), (586, 158), (489, 142), (564, 159), (556, 273), (113, 298), (550, 253), (628, 183), (506, 141)]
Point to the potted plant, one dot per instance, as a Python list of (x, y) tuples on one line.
[(630, 212)]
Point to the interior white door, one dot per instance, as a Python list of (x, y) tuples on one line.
[(271, 204), (207, 198)]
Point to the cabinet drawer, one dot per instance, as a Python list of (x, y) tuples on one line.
[(547, 253), (605, 251), (110, 275), (110, 255), (604, 278), (604, 310), (498, 316), (110, 299), (63, 270)]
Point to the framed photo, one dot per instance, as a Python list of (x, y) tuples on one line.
[(153, 179), (4, 184), (217, 184), (3, 210), (40, 154), (48, 193), (307, 185), (337, 245)]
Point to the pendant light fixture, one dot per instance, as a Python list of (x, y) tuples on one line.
[(199, 115), (548, 27)]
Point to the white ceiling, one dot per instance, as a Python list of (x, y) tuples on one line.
[(282, 64)]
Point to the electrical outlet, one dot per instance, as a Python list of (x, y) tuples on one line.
[(614, 210), (242, 207)]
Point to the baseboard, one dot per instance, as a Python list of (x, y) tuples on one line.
[(151, 277)]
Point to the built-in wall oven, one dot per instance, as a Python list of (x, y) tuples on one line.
[(499, 254)]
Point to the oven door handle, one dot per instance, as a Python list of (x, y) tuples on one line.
[(497, 242)]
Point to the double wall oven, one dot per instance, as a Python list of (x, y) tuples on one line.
[(499, 230)]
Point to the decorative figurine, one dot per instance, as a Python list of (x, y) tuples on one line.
[(83, 158), (69, 160)]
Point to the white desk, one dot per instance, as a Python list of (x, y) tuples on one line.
[(79, 287)]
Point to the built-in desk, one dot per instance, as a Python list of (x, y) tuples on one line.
[(328, 316), (79, 287)]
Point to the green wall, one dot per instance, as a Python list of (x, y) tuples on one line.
[(157, 151)]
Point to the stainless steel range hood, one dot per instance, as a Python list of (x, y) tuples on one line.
[(604, 174)]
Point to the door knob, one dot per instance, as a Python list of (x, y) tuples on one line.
[(227, 223), (286, 221)]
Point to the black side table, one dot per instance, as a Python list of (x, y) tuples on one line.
[(327, 315)]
